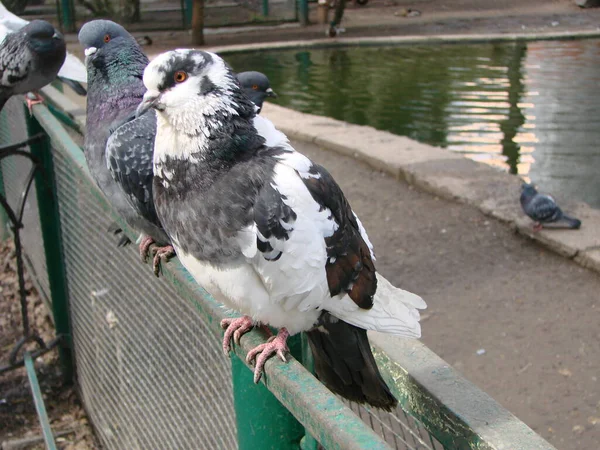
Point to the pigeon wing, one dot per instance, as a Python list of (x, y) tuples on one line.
[(310, 245), (543, 208), (129, 153), (15, 62)]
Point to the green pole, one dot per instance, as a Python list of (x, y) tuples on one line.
[(262, 422), (45, 188), (187, 6), (303, 12), (67, 18), (265, 8)]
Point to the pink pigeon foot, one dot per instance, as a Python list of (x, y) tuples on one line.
[(161, 254), (275, 345), (235, 327), (147, 241), (30, 102), (537, 227)]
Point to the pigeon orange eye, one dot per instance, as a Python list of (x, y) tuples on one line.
[(255, 87), (180, 76), (107, 38)]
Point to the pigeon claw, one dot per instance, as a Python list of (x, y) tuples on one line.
[(33, 101), (161, 254), (147, 241), (537, 227), (235, 328), (275, 345)]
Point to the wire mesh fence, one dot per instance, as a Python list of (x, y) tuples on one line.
[(152, 374)]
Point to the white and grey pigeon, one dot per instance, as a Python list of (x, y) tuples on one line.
[(256, 86), (544, 210), (265, 230), (118, 146), (29, 60), (72, 71)]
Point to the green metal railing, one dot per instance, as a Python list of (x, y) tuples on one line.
[(149, 350)]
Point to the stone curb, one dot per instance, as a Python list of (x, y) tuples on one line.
[(447, 175), (397, 40)]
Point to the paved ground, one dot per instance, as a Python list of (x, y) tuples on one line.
[(534, 313)]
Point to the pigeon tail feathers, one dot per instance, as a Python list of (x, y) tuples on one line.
[(572, 222), (395, 311), (345, 364)]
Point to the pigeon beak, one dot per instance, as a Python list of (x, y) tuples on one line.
[(271, 93), (151, 100), (90, 51)]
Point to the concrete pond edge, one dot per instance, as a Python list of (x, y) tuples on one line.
[(377, 41), (445, 174)]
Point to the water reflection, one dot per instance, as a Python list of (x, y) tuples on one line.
[(527, 108)]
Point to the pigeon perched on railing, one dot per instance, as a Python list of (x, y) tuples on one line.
[(72, 72), (118, 146), (256, 86), (265, 230), (30, 59), (543, 210)]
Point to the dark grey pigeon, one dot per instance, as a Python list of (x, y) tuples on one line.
[(543, 210), (118, 146), (30, 58), (265, 230), (256, 86)]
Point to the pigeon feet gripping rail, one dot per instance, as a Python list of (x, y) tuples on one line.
[(235, 328), (161, 254), (145, 244), (275, 344), (33, 101)]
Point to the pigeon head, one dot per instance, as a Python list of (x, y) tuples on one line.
[(528, 189), (43, 38), (101, 37), (256, 86), (193, 89)]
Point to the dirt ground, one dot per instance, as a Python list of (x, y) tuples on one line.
[(18, 418)]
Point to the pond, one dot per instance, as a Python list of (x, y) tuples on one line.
[(528, 108)]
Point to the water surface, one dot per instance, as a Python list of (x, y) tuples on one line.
[(528, 108)]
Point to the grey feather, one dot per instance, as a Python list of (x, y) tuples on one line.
[(30, 58), (543, 209)]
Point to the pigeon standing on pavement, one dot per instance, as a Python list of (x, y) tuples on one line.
[(543, 210), (72, 71), (30, 59), (265, 230), (119, 146), (256, 86)]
